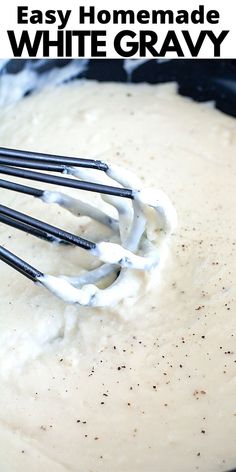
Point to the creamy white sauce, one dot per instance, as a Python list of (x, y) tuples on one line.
[(147, 384)]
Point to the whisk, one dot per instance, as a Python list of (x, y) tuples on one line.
[(146, 218)]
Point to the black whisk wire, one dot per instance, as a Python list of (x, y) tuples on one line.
[(26, 228), (34, 192), (20, 265), (52, 158), (49, 229), (66, 182)]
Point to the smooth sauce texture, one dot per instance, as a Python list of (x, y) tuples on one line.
[(147, 386)]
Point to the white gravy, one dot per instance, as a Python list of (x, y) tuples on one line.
[(147, 385)]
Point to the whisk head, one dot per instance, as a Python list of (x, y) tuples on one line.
[(144, 221)]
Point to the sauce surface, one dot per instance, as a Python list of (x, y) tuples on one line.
[(146, 386)]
